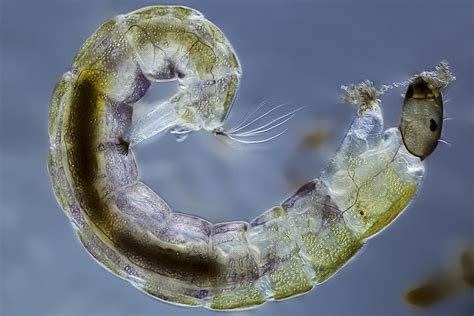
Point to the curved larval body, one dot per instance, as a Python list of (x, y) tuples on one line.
[(183, 259)]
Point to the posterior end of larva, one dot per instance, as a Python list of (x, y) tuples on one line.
[(252, 130)]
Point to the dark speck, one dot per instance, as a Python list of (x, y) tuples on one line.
[(433, 125), (123, 146)]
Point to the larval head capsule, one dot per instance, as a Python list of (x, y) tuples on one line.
[(422, 118)]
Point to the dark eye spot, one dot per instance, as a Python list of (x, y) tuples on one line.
[(433, 125)]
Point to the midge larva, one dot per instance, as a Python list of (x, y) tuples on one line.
[(94, 123)]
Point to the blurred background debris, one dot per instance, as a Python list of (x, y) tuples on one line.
[(445, 283)]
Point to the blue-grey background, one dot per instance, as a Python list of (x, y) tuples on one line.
[(291, 51)]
